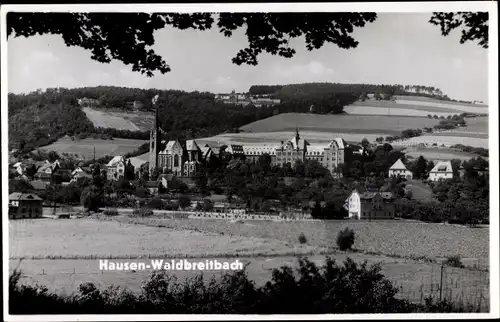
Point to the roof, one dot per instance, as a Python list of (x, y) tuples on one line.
[(170, 145), (371, 195), (398, 165), (259, 150), (137, 162), (115, 160), (23, 196), (340, 143), (316, 149), (442, 166), (191, 145), (39, 185), (297, 143), (167, 176), (235, 148)]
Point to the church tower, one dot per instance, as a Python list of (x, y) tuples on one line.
[(154, 139)]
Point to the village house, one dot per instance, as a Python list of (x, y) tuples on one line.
[(398, 169), (117, 167), (441, 171), (371, 205), (47, 170), (80, 172), (25, 205)]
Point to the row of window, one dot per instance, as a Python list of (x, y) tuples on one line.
[(367, 214), (30, 210)]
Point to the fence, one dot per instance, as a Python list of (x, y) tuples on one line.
[(463, 286)]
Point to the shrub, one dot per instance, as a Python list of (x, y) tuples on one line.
[(142, 212), (110, 212), (454, 261), (302, 238), (332, 288), (345, 239)]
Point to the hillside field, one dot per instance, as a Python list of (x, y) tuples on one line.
[(412, 106), (339, 123), (85, 148), (120, 120)]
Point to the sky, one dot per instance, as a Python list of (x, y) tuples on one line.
[(398, 48)]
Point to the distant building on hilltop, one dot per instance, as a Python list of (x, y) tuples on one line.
[(88, 102)]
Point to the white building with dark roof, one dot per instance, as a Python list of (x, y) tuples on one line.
[(398, 169), (441, 171), (371, 205)]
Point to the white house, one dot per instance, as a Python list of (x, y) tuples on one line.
[(370, 205), (441, 171), (398, 169), (116, 168), (80, 173)]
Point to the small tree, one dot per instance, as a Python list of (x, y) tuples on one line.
[(345, 239), (302, 238), (90, 199)]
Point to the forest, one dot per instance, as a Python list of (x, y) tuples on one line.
[(290, 92)]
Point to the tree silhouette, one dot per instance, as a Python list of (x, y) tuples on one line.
[(474, 25), (128, 37)]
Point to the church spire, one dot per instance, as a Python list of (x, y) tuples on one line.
[(297, 136)]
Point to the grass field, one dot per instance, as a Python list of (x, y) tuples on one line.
[(338, 123), (392, 111), (85, 148), (83, 238), (401, 238), (120, 120), (447, 140), (428, 99), (438, 154)]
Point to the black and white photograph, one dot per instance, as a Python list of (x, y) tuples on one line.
[(250, 161)]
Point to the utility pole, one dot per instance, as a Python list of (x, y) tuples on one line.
[(94, 155)]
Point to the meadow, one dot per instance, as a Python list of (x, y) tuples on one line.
[(393, 111), (120, 120), (447, 140), (90, 238), (339, 123), (393, 237), (436, 154), (85, 148), (420, 99)]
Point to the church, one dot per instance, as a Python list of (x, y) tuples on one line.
[(181, 159)]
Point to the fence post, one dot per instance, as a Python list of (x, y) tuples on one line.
[(441, 284)]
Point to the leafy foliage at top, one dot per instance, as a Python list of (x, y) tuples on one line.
[(128, 37), (474, 25)]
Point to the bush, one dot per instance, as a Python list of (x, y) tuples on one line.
[(345, 239), (454, 261), (110, 212), (142, 212), (332, 288), (302, 238)]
